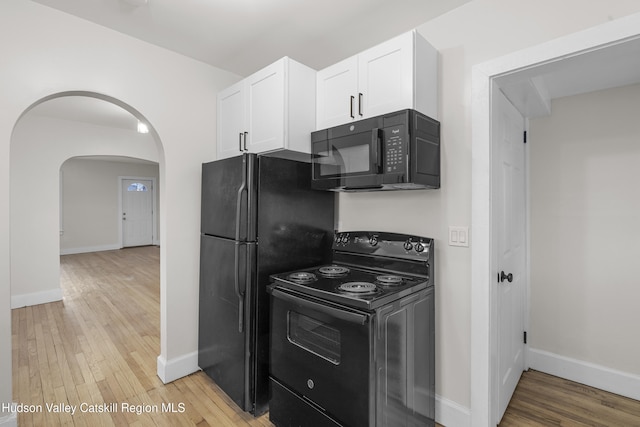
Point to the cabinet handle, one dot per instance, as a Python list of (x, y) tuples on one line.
[(351, 106), (240, 142), (360, 104), (245, 140)]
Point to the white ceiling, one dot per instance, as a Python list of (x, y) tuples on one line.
[(243, 36)]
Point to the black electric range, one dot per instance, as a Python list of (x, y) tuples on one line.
[(368, 317)]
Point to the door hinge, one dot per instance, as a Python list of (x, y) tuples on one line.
[(524, 137), (525, 337)]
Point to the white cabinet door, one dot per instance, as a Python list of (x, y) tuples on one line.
[(337, 87), (265, 119), (397, 74), (385, 77), (231, 119), (272, 109)]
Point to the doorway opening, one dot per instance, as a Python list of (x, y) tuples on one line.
[(138, 210), (601, 57), (54, 140)]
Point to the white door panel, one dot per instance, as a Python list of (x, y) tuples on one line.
[(137, 212), (509, 222)]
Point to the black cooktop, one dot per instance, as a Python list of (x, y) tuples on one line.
[(351, 285)]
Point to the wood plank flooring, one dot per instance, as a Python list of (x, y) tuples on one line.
[(99, 346), (545, 400)]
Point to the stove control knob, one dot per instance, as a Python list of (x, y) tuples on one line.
[(419, 247), (373, 240), (408, 245), (310, 384)]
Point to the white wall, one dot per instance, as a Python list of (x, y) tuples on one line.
[(585, 219), (474, 33), (45, 52), (90, 203)]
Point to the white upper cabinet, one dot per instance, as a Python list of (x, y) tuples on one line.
[(273, 109), (336, 96), (230, 120), (394, 75)]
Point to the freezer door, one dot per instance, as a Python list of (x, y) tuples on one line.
[(228, 198), (227, 282)]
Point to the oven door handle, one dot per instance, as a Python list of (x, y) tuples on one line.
[(348, 316)]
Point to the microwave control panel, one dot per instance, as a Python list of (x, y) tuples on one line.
[(395, 151)]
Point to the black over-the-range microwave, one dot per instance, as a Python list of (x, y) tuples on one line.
[(395, 151)]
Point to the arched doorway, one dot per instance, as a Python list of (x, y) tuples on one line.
[(51, 131), (40, 144)]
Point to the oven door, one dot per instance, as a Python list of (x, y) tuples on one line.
[(324, 353), (352, 160)]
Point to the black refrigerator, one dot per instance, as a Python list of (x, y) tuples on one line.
[(259, 217)]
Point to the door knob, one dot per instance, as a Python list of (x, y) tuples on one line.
[(503, 276)]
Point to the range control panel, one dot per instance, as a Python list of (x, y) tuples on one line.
[(384, 244)]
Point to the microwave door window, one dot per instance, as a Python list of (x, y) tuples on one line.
[(327, 164), (342, 161), (355, 158)]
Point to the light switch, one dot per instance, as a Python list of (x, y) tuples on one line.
[(458, 236)]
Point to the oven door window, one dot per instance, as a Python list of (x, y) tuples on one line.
[(352, 155), (314, 336)]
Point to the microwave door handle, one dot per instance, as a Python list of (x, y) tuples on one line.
[(376, 144)]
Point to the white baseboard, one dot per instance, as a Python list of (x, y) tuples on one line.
[(35, 298), (452, 414), (9, 420), (171, 370), (614, 381), (87, 249)]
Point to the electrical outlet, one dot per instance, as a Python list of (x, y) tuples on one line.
[(458, 236)]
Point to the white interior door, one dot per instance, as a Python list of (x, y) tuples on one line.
[(137, 212), (509, 213)]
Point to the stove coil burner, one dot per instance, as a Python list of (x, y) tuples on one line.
[(333, 271), (302, 277), (389, 280), (359, 288)]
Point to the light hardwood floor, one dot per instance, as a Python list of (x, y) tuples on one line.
[(544, 400), (100, 345)]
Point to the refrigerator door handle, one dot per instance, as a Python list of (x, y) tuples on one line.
[(236, 286), (241, 191)]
